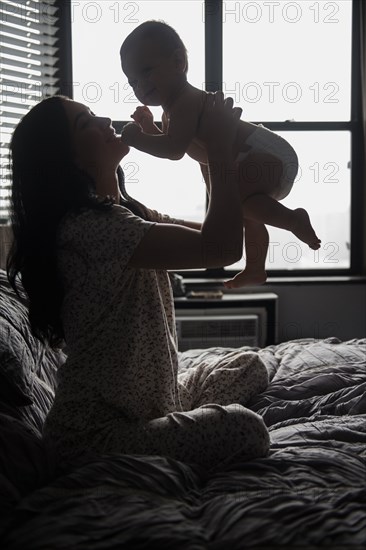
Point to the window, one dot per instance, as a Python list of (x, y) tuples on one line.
[(28, 71), (287, 64), (291, 61), (170, 187), (293, 66)]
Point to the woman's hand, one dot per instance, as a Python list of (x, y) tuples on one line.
[(219, 124)]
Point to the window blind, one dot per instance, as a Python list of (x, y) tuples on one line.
[(28, 71)]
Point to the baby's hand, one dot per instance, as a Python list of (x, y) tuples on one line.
[(144, 117), (130, 133)]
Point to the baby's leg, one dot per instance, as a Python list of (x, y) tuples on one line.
[(256, 242), (259, 179), (265, 209)]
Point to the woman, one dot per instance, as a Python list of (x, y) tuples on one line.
[(95, 274)]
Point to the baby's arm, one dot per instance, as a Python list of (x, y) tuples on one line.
[(173, 144)]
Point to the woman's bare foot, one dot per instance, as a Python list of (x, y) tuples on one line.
[(303, 229), (247, 277)]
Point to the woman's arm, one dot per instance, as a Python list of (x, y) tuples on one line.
[(197, 152), (155, 216), (192, 225), (219, 242)]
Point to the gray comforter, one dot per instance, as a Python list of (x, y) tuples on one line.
[(310, 492)]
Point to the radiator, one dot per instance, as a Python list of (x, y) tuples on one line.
[(225, 329)]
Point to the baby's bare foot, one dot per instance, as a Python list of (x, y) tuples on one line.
[(304, 230), (247, 277)]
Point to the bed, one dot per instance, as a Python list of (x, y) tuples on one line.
[(310, 492)]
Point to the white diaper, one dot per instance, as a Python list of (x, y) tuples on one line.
[(263, 140)]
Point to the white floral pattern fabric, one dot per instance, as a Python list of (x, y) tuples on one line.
[(119, 389)]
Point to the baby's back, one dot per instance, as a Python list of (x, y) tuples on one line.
[(197, 99)]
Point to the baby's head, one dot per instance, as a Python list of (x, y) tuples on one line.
[(154, 59)]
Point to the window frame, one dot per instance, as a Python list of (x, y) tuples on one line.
[(214, 78)]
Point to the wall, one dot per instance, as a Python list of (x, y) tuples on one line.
[(320, 310), (311, 308), (5, 240), (305, 309)]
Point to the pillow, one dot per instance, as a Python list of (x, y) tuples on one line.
[(16, 360), (22, 356)]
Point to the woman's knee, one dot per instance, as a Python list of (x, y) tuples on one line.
[(256, 377), (259, 375)]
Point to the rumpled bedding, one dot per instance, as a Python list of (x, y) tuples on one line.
[(310, 492)]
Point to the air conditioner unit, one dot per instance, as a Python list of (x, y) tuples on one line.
[(224, 328)]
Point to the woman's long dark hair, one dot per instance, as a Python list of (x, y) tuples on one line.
[(47, 184)]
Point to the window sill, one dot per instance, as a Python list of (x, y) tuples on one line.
[(217, 283)]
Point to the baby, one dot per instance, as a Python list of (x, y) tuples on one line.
[(154, 59)]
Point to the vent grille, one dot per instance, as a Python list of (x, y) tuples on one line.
[(221, 330), (220, 327)]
